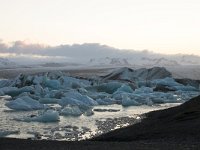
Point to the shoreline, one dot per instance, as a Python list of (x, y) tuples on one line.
[(173, 128)]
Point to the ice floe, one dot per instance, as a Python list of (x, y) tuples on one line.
[(24, 103), (76, 95), (71, 111), (45, 116)]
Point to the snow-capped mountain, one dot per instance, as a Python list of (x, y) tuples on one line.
[(107, 61), (143, 61), (159, 62)]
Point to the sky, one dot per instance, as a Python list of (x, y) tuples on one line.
[(163, 26)]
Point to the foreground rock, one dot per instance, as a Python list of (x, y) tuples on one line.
[(174, 124)]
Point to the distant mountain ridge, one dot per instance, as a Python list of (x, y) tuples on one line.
[(143, 61)]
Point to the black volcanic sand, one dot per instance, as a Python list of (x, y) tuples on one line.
[(181, 123), (173, 128), (20, 144)]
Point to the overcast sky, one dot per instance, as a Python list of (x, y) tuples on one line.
[(164, 26)]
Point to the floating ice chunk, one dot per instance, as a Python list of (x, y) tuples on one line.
[(71, 111), (98, 95), (24, 103), (53, 84), (56, 94), (89, 112), (5, 83), (1, 93), (8, 90), (159, 97), (70, 82), (125, 88), (149, 102), (26, 89), (48, 100), (143, 90), (22, 95), (106, 101), (38, 89), (166, 82), (73, 102), (110, 87), (126, 101), (14, 91), (46, 116), (82, 91), (120, 95), (38, 80), (4, 133), (83, 98), (185, 88)]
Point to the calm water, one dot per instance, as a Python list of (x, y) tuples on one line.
[(68, 128)]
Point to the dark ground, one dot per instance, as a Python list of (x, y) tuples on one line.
[(19, 144), (181, 123), (173, 128)]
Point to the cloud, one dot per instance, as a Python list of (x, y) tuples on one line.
[(76, 51), (20, 51)]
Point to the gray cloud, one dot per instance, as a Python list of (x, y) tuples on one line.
[(79, 52)]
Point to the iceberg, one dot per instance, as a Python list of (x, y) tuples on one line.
[(38, 90), (106, 101), (125, 88), (89, 112), (126, 101), (71, 111), (73, 102), (53, 84), (24, 103), (14, 91), (166, 82), (185, 88), (4, 133), (48, 100), (143, 90), (5, 83), (46, 116), (70, 82), (109, 88), (38, 80), (82, 98)]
